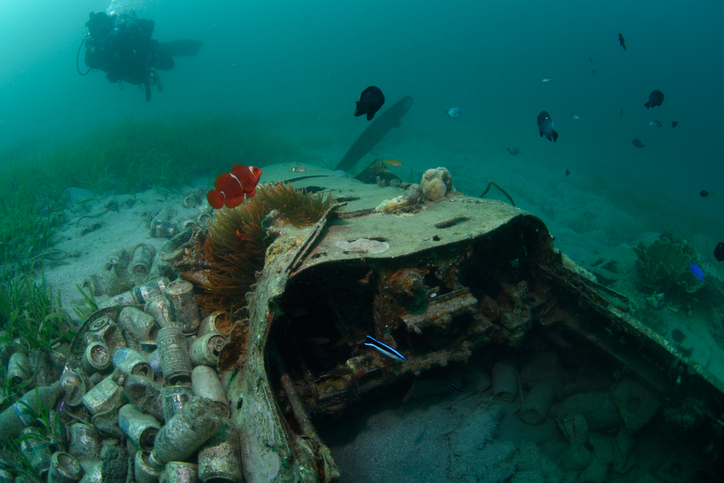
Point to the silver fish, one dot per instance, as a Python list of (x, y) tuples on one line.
[(547, 79), (384, 349), (453, 112), (655, 123), (575, 116)]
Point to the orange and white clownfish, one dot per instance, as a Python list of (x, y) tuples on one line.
[(230, 189)]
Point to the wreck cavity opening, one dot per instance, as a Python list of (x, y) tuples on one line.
[(435, 307)]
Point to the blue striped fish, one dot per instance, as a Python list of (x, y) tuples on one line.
[(384, 349)]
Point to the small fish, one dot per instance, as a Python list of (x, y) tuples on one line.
[(547, 79), (392, 162), (409, 392), (453, 112), (568, 173), (356, 330), (622, 41), (593, 71), (719, 252), (513, 151), (455, 387), (230, 189), (674, 123), (342, 341), (313, 189), (638, 143), (590, 60), (545, 126), (655, 99), (318, 340), (575, 116), (340, 173), (340, 371), (336, 372), (704, 193), (384, 349), (370, 101), (696, 271), (655, 123), (620, 114), (299, 169)]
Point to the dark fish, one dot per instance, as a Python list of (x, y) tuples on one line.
[(622, 41), (655, 99), (704, 193), (513, 151), (545, 126), (719, 252), (621, 113), (674, 123), (638, 143), (568, 173), (593, 71), (369, 102)]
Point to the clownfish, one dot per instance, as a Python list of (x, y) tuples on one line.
[(230, 189)]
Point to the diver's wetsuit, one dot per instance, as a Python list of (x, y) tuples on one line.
[(122, 47)]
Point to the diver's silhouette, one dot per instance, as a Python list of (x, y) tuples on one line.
[(122, 47)]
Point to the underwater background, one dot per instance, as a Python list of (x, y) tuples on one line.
[(294, 70), (275, 83)]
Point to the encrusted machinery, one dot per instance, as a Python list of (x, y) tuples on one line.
[(424, 294), (436, 285)]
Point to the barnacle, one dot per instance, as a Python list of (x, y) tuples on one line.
[(664, 268), (238, 238)]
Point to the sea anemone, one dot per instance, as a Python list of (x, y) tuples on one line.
[(238, 239)]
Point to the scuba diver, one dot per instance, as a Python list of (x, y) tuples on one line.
[(122, 47)]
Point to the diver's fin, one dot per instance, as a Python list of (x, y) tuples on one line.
[(156, 79), (184, 47)]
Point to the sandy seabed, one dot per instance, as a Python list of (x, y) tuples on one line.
[(452, 428)]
